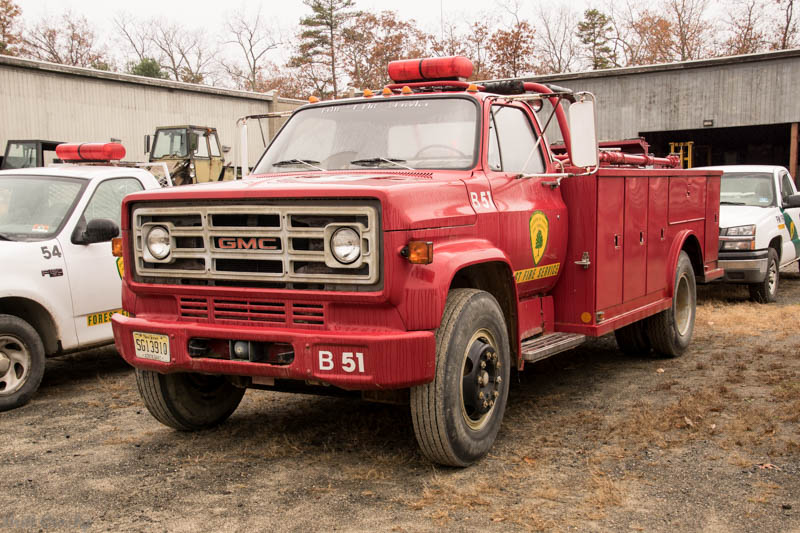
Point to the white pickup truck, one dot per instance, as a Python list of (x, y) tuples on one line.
[(758, 221), (59, 283)]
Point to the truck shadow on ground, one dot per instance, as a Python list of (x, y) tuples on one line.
[(87, 365), (729, 292)]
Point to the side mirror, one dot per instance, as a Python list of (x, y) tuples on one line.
[(792, 201), (583, 133), (192, 142), (147, 144), (97, 230)]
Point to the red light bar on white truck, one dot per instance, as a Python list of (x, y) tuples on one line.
[(456, 68), (90, 151)]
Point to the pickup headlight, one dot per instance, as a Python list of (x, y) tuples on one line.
[(741, 231), (749, 244), (158, 242), (346, 245)]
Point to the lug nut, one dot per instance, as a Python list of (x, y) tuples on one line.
[(495, 394), (498, 380), (480, 395), (485, 404), (491, 403), (483, 364)]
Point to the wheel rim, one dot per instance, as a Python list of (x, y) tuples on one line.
[(683, 307), (481, 381), (15, 363), (772, 277)]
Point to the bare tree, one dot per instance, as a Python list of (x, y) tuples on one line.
[(642, 36), (744, 26), (786, 25), (692, 30), (253, 38), (556, 45), (137, 35), (69, 40)]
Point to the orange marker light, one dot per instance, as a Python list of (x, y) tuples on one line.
[(368, 93), (418, 252), (472, 88), (313, 99), (116, 246), (406, 90), (387, 91)]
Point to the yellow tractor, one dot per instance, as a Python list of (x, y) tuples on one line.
[(192, 154)]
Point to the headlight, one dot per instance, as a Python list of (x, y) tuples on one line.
[(739, 245), (158, 242), (741, 231), (191, 169), (346, 245)]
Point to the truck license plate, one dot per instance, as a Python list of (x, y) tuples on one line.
[(151, 346)]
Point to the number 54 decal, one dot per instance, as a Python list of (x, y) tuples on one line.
[(350, 361), (47, 253)]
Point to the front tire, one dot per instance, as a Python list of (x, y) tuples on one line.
[(632, 339), (457, 416), (767, 291), (670, 331), (188, 401), (22, 362)]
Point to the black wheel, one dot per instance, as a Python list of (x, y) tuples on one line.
[(671, 331), (457, 416), (767, 291), (632, 339), (21, 362), (188, 401)]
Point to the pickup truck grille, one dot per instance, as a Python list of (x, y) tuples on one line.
[(279, 245)]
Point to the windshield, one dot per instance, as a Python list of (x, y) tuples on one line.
[(170, 143), (20, 155), (35, 207), (747, 188), (424, 133)]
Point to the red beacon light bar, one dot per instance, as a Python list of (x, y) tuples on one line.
[(90, 151), (453, 68)]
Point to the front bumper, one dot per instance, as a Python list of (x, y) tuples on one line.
[(744, 267), (391, 359)]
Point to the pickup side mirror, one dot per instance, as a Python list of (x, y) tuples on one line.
[(97, 230), (792, 201), (583, 133)]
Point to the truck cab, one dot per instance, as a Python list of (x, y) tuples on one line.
[(59, 283), (28, 154), (413, 244), (759, 217)]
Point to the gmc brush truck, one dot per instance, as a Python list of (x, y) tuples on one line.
[(413, 243)]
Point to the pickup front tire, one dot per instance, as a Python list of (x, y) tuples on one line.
[(188, 401), (767, 291), (22, 362), (457, 416)]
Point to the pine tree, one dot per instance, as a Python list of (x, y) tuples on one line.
[(539, 239), (593, 32)]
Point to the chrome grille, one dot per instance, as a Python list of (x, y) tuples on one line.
[(234, 244)]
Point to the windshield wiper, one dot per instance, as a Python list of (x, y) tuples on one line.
[(377, 160), (731, 203), (294, 162)]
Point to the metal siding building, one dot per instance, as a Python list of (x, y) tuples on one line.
[(40, 100), (737, 109)]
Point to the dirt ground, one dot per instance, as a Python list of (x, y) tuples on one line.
[(592, 441)]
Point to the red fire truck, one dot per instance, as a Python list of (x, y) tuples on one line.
[(415, 243)]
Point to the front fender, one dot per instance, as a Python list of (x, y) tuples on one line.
[(422, 298)]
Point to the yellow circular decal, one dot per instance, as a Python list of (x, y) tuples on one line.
[(120, 267), (539, 227)]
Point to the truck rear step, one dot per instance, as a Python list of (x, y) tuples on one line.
[(539, 348)]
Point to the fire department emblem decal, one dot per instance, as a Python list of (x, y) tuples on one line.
[(539, 227)]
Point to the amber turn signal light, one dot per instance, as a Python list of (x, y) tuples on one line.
[(418, 252), (116, 246)]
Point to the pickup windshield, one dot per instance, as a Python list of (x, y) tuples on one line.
[(34, 207), (747, 188), (394, 133)]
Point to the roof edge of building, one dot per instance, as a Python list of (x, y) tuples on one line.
[(35, 64)]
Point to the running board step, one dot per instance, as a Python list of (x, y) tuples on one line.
[(539, 348)]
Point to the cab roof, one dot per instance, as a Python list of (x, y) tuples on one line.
[(86, 172)]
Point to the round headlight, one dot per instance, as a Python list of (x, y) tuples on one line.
[(158, 242), (346, 245)]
